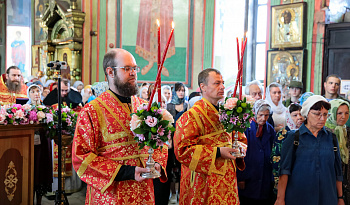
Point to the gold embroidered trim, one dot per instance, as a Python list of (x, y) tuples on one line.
[(206, 116), (211, 134), (130, 157), (127, 110), (112, 179), (210, 105), (195, 157), (85, 164), (196, 117), (213, 158), (106, 136), (116, 145)]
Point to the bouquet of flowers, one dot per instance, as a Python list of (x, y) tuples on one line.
[(69, 120), (236, 114), (151, 128), (17, 114)]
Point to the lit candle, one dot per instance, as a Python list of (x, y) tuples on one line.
[(157, 83)]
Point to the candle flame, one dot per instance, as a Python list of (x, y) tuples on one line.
[(158, 23), (246, 33), (172, 24)]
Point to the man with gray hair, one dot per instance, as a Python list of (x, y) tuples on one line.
[(254, 89)]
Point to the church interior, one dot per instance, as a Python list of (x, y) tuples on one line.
[(268, 41)]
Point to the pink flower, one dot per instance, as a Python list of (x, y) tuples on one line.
[(141, 137), (13, 110), (33, 116), (65, 109), (18, 106), (19, 114), (135, 122), (10, 115), (3, 111), (41, 115), (230, 103), (159, 143), (27, 107), (250, 100), (49, 117), (167, 116), (151, 121), (160, 131)]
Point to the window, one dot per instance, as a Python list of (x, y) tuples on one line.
[(259, 40)]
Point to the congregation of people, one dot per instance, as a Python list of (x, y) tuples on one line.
[(297, 144)]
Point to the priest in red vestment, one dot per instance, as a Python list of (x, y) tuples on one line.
[(11, 86), (208, 171), (105, 154)]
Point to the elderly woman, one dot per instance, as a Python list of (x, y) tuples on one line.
[(255, 182), (42, 151), (293, 121), (79, 86), (274, 99), (336, 124), (310, 171)]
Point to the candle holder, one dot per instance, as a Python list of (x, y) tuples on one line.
[(238, 147), (150, 164)]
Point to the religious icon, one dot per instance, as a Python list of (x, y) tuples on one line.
[(146, 42), (284, 66), (18, 53), (287, 25)]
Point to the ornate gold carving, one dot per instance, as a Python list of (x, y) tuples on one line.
[(11, 181)]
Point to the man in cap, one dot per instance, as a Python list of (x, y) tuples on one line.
[(295, 89)]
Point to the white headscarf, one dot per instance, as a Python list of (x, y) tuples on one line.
[(279, 109), (258, 104), (289, 121), (28, 89), (309, 103)]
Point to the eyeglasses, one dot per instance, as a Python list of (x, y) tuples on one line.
[(128, 69), (324, 115)]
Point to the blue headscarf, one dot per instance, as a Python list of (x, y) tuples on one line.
[(175, 99), (304, 97)]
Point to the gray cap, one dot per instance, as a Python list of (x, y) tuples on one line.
[(296, 84)]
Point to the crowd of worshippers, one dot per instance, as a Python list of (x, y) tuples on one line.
[(290, 157)]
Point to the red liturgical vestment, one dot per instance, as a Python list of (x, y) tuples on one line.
[(205, 179), (103, 143)]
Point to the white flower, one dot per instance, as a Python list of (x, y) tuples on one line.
[(135, 122)]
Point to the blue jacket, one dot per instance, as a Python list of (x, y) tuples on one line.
[(258, 172)]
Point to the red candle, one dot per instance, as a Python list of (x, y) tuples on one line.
[(241, 73), (238, 62), (157, 83), (159, 93)]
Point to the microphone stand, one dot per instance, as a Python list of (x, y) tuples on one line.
[(61, 198)]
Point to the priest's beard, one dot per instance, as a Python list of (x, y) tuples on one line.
[(13, 86), (125, 89)]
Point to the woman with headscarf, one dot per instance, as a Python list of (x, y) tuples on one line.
[(274, 99), (34, 95), (255, 181), (336, 124), (79, 86), (166, 91), (310, 167), (42, 151), (293, 121), (304, 97), (144, 93)]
